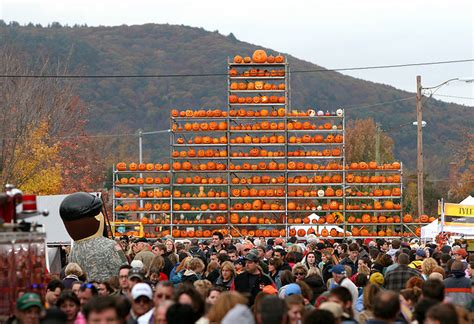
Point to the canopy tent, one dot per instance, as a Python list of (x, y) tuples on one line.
[(455, 218)]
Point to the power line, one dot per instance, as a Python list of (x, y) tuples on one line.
[(379, 103), (110, 76), (448, 96)]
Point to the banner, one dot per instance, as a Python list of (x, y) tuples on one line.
[(457, 214)]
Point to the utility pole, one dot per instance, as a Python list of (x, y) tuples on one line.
[(419, 165), (378, 132)]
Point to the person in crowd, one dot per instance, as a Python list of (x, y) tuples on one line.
[(427, 267), (460, 255), (421, 308), (337, 312), (396, 279), (135, 275), (53, 291), (194, 271), (104, 288), (143, 252), (73, 272), (433, 289), (274, 266), (385, 308), (295, 306), (142, 301), (226, 277), (326, 265), (75, 287), (203, 286), (159, 249), (223, 304), (180, 313), (213, 294), (310, 260), (86, 293), (300, 271), (408, 299), (420, 256), (217, 242), (252, 280), (442, 314), (280, 253), (351, 259), (340, 279), (103, 310), (187, 294), (272, 310), (394, 247), (316, 284), (212, 271), (70, 304), (124, 284), (342, 296), (368, 297), (320, 316), (458, 288), (29, 309)]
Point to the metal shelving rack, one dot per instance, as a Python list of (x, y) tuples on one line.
[(280, 218)]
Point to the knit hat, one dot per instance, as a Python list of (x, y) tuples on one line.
[(377, 278)]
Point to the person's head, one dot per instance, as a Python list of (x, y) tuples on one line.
[(104, 309), (213, 294), (338, 273), (442, 314), (414, 282), (428, 266), (396, 244), (29, 308), (163, 292), (87, 292), (260, 251), (160, 311), (123, 277), (217, 239), (274, 264), (213, 257), (159, 249), (181, 313), (295, 305), (142, 298), (233, 255), (410, 296), (170, 246), (211, 266), (386, 305), (53, 291), (439, 270), (286, 277), (457, 266), (70, 304), (124, 241), (403, 259), (272, 310), (227, 271), (279, 254), (75, 287), (251, 263), (319, 316), (196, 265), (354, 251), (222, 305), (135, 275), (311, 259), (203, 286), (361, 280), (300, 271), (141, 244), (343, 297), (187, 294), (228, 240), (421, 308), (433, 289), (370, 291), (460, 254), (73, 269), (104, 288)]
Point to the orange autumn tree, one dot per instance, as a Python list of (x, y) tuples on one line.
[(361, 142)]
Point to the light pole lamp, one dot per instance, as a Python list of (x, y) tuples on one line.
[(419, 126)]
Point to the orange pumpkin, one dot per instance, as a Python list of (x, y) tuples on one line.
[(259, 56)]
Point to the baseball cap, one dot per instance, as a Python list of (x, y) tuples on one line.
[(240, 261), (279, 241), (251, 257), (377, 278), (421, 253), (136, 273), (269, 289), (137, 264), (338, 269), (292, 289), (461, 252), (142, 289), (29, 300)]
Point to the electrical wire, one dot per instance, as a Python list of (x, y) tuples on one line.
[(109, 76), (448, 96)]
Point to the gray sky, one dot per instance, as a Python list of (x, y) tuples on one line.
[(332, 34)]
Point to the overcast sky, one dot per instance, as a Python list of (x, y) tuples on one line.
[(332, 33)]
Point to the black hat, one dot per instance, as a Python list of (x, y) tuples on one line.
[(80, 205), (141, 239), (251, 257)]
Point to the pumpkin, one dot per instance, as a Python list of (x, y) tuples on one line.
[(301, 232), (259, 56), (407, 218), (324, 232), (279, 59)]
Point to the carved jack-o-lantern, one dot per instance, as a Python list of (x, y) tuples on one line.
[(321, 193), (339, 112), (258, 85)]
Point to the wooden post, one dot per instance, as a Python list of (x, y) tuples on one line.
[(420, 170)]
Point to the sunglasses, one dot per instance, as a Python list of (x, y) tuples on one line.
[(160, 296), (300, 274), (142, 300)]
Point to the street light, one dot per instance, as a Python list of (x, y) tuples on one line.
[(420, 123)]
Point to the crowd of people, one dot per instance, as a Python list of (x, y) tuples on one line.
[(258, 280)]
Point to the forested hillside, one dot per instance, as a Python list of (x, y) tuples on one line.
[(123, 105)]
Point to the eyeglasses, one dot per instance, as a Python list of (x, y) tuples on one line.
[(300, 274), (123, 277)]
